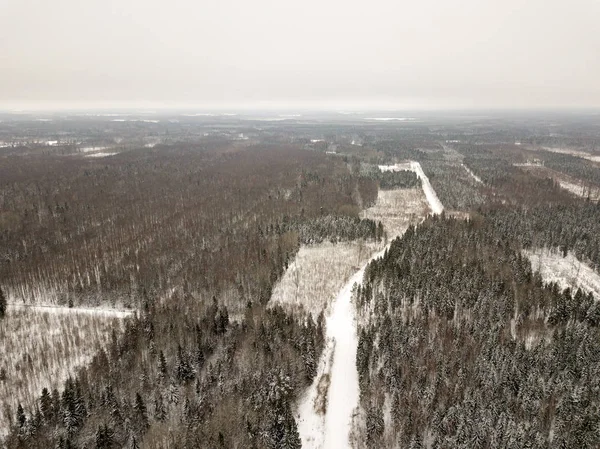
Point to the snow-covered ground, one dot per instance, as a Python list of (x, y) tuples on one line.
[(336, 383), (575, 189), (397, 209), (434, 202), (581, 154), (327, 409), (572, 185), (98, 311), (101, 154), (473, 175), (400, 166), (93, 149), (568, 272), (41, 346), (318, 273)]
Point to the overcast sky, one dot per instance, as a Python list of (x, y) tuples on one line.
[(300, 53)]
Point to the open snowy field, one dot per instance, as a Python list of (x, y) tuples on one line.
[(397, 209), (567, 272), (41, 346), (434, 202), (318, 273)]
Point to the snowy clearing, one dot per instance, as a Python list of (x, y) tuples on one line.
[(93, 149), (42, 346), (434, 202), (397, 209), (318, 273), (473, 175), (578, 153), (98, 311), (567, 272)]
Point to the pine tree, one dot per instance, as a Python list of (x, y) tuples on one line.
[(162, 366), (141, 413), (105, 437), (21, 418), (46, 406), (134, 443), (160, 412), (3, 304), (184, 370)]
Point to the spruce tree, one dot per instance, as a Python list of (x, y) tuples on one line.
[(21, 418), (3, 304), (141, 413)]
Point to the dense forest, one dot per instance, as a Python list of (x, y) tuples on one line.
[(464, 346), (187, 235), (191, 223)]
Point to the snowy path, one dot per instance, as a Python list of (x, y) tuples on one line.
[(332, 431), (434, 202), (336, 383), (473, 175)]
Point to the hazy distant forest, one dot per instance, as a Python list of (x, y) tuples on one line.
[(184, 230)]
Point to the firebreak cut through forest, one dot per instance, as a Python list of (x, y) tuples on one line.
[(220, 282)]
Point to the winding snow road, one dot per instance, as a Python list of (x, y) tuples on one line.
[(332, 430)]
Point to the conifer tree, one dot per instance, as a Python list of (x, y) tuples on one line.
[(3, 304)]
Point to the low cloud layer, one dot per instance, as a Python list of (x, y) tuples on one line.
[(311, 53)]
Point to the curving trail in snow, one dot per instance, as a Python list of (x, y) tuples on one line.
[(335, 389), (332, 431), (344, 389)]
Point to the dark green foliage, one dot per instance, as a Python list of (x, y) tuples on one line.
[(21, 418), (472, 348), (403, 179), (328, 228), (105, 437), (3, 304), (571, 227), (454, 186)]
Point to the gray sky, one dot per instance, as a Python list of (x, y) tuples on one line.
[(299, 53)]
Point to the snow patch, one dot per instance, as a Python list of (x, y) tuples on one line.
[(98, 311), (567, 272), (90, 149), (473, 175), (100, 154)]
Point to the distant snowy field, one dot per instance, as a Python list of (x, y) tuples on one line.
[(581, 154)]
